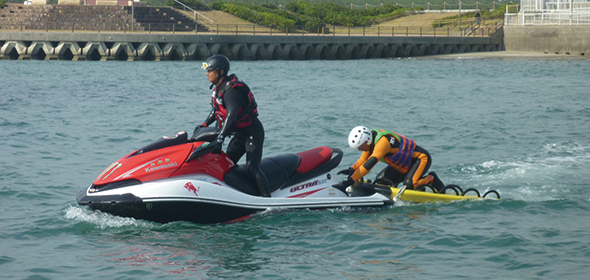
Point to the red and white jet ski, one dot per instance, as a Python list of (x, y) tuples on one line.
[(179, 179)]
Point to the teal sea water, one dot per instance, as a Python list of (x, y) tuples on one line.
[(519, 126)]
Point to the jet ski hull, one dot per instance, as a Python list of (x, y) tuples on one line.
[(194, 200)]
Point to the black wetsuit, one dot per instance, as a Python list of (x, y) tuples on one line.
[(247, 140)]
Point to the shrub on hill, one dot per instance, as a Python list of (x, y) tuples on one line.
[(1, 3), (311, 17), (344, 16), (498, 13), (269, 15)]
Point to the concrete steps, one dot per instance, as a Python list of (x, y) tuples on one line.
[(163, 19)]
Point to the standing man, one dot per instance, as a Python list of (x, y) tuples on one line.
[(236, 113), (477, 16)]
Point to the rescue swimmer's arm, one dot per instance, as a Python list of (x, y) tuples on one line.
[(233, 102), (364, 157), (381, 149)]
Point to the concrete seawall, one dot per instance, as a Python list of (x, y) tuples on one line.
[(574, 40), (167, 46)]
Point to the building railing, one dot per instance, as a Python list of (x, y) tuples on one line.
[(547, 18)]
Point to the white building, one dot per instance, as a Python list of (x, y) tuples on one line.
[(550, 12)]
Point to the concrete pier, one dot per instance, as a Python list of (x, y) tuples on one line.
[(167, 46)]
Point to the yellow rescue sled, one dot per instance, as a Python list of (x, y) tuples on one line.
[(420, 195)]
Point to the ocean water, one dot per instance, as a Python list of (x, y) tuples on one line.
[(518, 126)]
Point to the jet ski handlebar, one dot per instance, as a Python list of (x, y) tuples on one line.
[(206, 134)]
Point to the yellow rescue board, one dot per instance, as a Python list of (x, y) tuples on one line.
[(420, 197)]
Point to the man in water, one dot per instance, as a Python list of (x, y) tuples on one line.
[(407, 161), (236, 113)]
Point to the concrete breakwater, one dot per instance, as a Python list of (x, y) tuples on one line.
[(167, 46)]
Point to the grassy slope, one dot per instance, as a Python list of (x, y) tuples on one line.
[(220, 17), (419, 20)]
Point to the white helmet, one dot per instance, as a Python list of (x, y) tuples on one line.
[(359, 136)]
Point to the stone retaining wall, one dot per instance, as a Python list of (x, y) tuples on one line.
[(64, 17), (94, 18)]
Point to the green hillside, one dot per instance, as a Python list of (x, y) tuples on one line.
[(361, 4), (356, 4), (313, 15)]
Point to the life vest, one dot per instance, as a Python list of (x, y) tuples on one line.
[(403, 157), (245, 114)]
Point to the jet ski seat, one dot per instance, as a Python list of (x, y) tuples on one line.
[(285, 170), (278, 170)]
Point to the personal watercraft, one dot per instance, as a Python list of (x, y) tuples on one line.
[(181, 179)]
